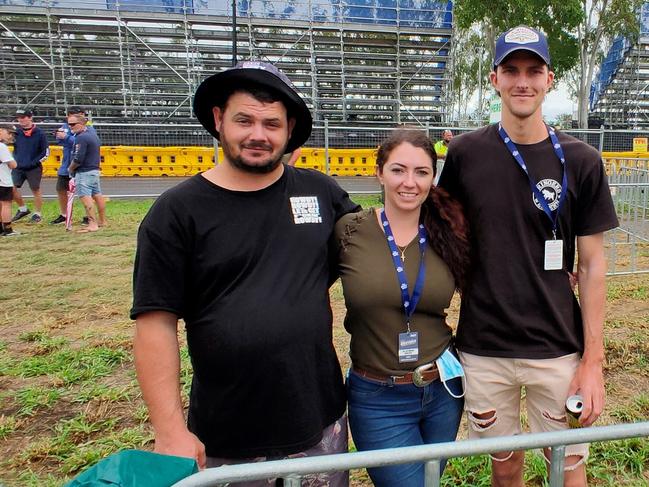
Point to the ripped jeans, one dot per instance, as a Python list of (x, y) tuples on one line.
[(494, 388)]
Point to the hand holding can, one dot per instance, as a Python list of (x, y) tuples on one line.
[(574, 407)]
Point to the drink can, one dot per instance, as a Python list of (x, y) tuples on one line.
[(574, 406)]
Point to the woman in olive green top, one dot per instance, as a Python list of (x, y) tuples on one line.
[(399, 267)]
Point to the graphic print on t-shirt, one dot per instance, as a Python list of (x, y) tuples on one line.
[(306, 209), (551, 191)]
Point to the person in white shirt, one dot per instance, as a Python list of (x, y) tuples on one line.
[(7, 163)]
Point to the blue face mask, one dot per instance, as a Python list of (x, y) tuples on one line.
[(449, 367)]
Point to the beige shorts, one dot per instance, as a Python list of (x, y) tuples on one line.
[(494, 384)]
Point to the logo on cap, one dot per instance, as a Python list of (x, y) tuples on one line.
[(251, 65), (521, 35), (521, 38)]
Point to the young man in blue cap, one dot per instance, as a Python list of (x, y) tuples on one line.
[(30, 151), (241, 254), (532, 196)]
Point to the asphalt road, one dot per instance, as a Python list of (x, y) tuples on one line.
[(139, 187)]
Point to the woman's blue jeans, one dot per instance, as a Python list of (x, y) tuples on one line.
[(391, 416)]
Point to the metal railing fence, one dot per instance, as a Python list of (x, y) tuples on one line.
[(335, 136), (292, 470)]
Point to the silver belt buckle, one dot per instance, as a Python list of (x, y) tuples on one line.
[(417, 375)]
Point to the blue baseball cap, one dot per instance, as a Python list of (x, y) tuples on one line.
[(522, 38)]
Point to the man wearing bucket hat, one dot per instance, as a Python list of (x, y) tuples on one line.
[(240, 253), (532, 196)]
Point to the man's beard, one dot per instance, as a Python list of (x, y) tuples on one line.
[(238, 161)]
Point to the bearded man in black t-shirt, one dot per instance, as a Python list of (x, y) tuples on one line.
[(240, 253), (532, 197)]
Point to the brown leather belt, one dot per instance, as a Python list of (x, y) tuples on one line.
[(421, 376)]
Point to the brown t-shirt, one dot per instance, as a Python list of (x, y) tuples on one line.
[(375, 314)]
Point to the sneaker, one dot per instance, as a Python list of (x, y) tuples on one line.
[(57, 220), (36, 219), (20, 214), (10, 233), (84, 220)]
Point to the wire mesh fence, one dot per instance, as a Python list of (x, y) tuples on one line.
[(628, 245), (333, 136)]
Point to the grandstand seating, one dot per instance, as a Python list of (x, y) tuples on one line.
[(619, 95), (362, 62)]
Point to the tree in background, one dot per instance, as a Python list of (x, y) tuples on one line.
[(466, 62), (557, 18), (479, 23), (562, 121)]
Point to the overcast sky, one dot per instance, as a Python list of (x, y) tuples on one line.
[(558, 102)]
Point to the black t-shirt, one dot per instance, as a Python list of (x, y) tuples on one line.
[(512, 307), (249, 274)]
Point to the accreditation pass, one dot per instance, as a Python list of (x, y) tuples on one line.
[(408, 347), (553, 257)]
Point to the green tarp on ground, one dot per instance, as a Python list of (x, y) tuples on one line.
[(135, 468)]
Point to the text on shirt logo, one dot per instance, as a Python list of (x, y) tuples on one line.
[(306, 209), (551, 191)]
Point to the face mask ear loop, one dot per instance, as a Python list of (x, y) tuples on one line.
[(449, 391)]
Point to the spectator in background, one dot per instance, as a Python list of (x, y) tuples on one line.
[(441, 147), (84, 167), (30, 151), (7, 163), (65, 138)]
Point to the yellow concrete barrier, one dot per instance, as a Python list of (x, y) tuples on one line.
[(147, 161)]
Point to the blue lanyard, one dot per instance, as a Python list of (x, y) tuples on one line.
[(409, 302), (539, 196)]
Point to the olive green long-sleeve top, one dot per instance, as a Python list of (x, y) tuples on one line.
[(375, 314)]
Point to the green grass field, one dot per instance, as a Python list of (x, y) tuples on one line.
[(68, 394)]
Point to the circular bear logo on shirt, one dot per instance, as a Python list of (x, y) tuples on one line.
[(551, 191)]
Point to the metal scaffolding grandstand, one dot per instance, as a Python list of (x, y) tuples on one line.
[(619, 96), (365, 61)]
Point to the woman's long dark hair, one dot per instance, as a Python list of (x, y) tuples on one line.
[(442, 216)]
